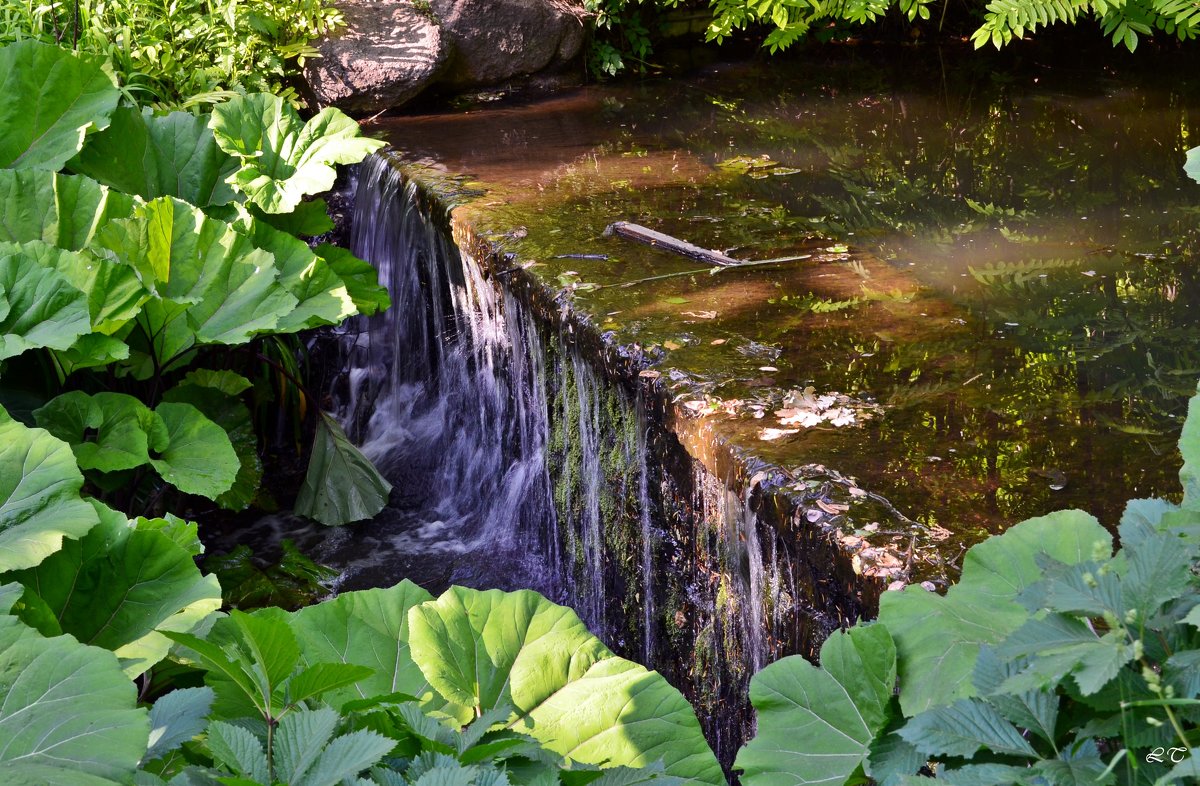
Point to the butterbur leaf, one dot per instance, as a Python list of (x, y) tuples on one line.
[(981, 609), (39, 496), (361, 279), (342, 485), (1191, 167), (198, 457), (228, 382), (309, 219), (176, 718), (118, 587), (68, 715), (368, 628), (568, 690), (282, 157), (1189, 447), (816, 725), (184, 534), (207, 392), (159, 155), (38, 307), (962, 729), (108, 431), (61, 96), (64, 211)]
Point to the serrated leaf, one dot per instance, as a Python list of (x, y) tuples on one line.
[(322, 678), (198, 457), (346, 756), (62, 96), (176, 718), (816, 725), (1142, 518), (342, 485), (1158, 571), (159, 155), (67, 713), (283, 158), (1035, 710), (39, 496), (569, 691), (1064, 646), (238, 749), (299, 741), (962, 729)]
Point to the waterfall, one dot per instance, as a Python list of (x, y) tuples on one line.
[(521, 460)]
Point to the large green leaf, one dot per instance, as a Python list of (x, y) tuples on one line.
[(53, 97), (361, 279), (38, 307), (118, 587), (342, 485), (108, 432), (185, 257), (323, 297), (62, 210), (981, 608), (68, 715), (368, 628), (486, 649), (283, 158), (815, 725), (159, 155), (39, 496), (198, 457), (113, 291), (1191, 167), (207, 392)]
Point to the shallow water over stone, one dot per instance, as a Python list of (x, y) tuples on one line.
[(998, 272)]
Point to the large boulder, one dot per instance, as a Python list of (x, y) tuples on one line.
[(388, 52), (494, 41), (392, 50)]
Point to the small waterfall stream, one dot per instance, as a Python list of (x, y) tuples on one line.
[(519, 461)]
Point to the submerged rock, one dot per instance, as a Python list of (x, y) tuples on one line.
[(390, 51)]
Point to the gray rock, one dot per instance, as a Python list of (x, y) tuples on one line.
[(494, 41), (387, 54)]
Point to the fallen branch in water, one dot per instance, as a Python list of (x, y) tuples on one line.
[(667, 243)]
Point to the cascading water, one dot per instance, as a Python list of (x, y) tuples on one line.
[(518, 463)]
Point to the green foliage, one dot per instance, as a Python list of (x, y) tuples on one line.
[(1192, 166), (341, 484), (624, 32), (184, 54), (67, 714), (1053, 660), (291, 583), (282, 157)]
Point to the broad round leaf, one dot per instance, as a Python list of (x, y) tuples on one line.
[(206, 391), (1191, 167), (569, 691), (108, 432), (368, 628), (159, 155), (68, 715), (62, 210), (40, 307), (198, 457), (39, 496), (283, 158), (118, 587), (58, 96), (815, 725), (981, 608)]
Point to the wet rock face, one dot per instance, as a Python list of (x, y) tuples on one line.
[(392, 50), (387, 54)]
